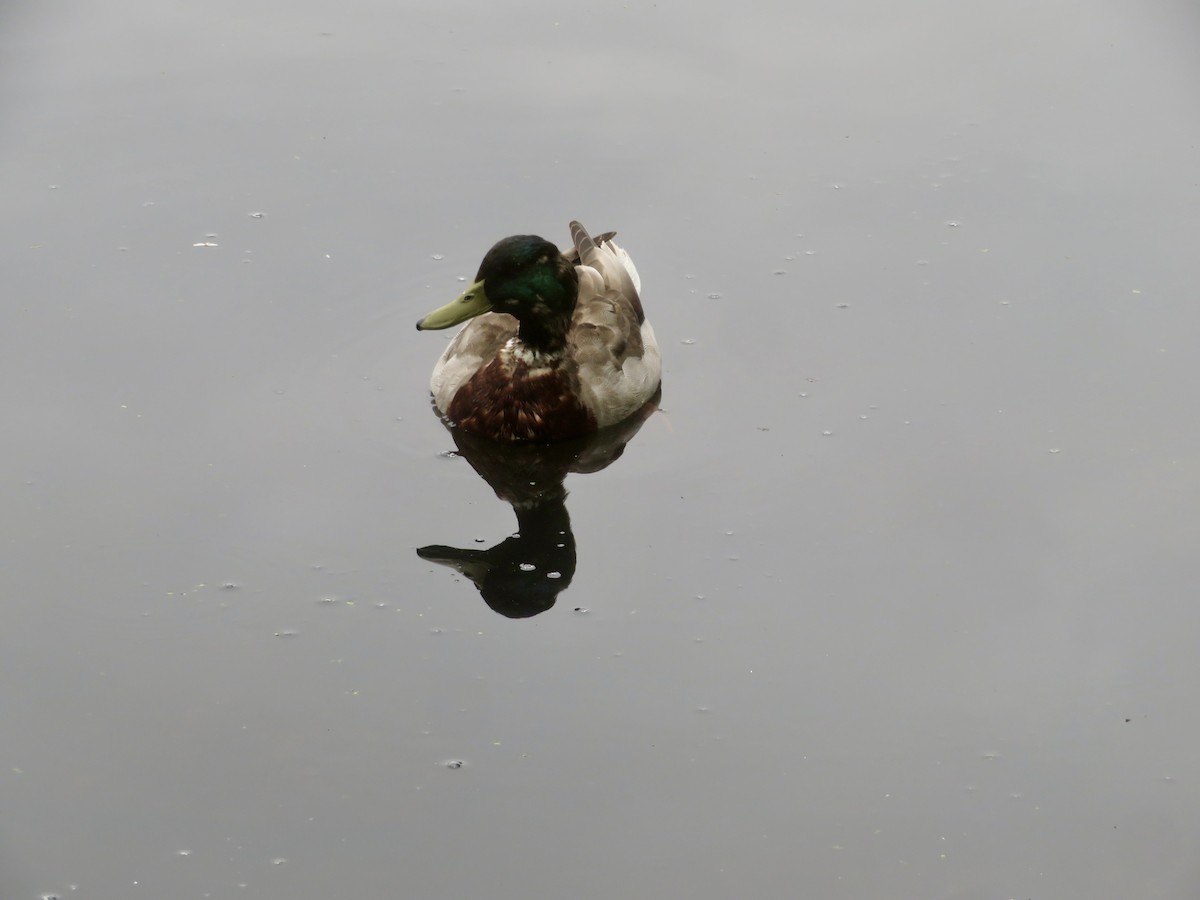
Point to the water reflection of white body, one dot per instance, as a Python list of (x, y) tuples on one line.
[(523, 575)]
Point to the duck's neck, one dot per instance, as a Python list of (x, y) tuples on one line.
[(545, 335), (545, 305)]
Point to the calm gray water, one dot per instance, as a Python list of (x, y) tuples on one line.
[(894, 597)]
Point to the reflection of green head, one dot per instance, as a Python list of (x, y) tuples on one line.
[(526, 277), (523, 574)]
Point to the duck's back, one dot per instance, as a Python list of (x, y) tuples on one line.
[(613, 346)]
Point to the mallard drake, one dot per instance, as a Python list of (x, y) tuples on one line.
[(557, 346)]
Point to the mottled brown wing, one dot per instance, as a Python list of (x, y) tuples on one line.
[(612, 263)]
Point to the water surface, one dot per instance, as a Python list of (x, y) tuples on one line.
[(892, 597)]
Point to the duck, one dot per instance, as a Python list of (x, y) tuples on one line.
[(556, 345)]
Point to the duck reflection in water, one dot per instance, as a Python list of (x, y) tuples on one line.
[(524, 574)]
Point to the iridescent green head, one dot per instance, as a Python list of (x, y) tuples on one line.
[(524, 276)]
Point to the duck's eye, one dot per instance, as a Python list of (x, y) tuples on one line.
[(468, 296)]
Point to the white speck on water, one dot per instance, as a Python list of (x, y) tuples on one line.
[(438, 256), (952, 224), (688, 341), (527, 567), (278, 860), (843, 305), (827, 433), (258, 215), (1056, 450), (554, 574), (714, 296)]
